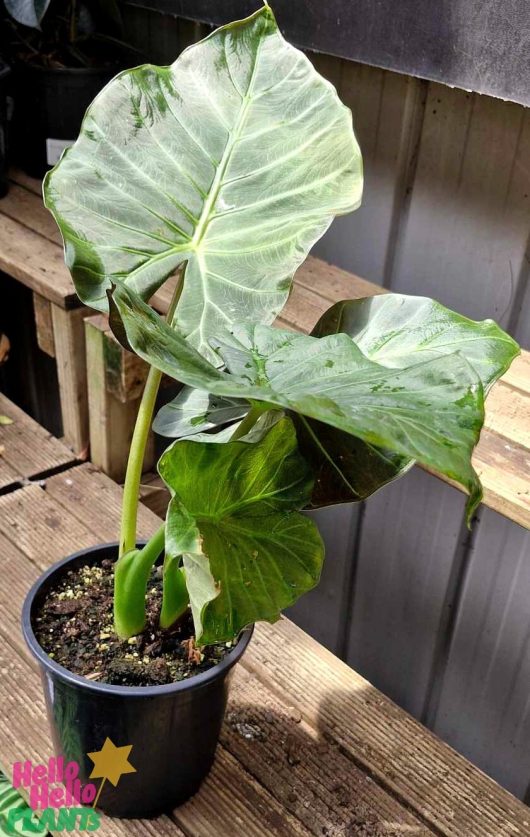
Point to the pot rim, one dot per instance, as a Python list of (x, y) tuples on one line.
[(49, 665)]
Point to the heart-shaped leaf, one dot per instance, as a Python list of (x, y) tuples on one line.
[(247, 551), (234, 159), (398, 331), (194, 411), (432, 412)]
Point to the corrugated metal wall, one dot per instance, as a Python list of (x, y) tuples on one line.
[(436, 617)]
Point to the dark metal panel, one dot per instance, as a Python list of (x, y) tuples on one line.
[(474, 44)]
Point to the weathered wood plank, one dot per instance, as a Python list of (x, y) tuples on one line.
[(70, 355), (111, 420), (36, 262), (27, 449), (94, 500), (42, 310), (154, 493), (452, 797), (301, 765), (27, 207)]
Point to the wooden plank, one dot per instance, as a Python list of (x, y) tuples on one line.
[(301, 765), (27, 449), (70, 354), (37, 526), (33, 184), (504, 470), (518, 375), (508, 415), (111, 421), (26, 207), (452, 797), (36, 262), (44, 324), (95, 500)]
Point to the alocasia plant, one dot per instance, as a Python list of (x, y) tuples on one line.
[(228, 166)]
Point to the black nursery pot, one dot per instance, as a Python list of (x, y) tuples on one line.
[(173, 729), (49, 107)]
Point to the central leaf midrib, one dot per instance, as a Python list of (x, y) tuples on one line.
[(218, 182)]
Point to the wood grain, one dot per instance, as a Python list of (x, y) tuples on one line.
[(70, 356), (27, 450)]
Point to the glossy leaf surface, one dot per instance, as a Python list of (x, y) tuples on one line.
[(396, 331), (247, 551), (431, 412), (234, 159), (399, 331)]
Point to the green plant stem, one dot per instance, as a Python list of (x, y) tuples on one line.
[(155, 544), (249, 421), (131, 578), (135, 461), (133, 474)]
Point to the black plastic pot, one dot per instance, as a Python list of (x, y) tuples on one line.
[(173, 729), (49, 107)]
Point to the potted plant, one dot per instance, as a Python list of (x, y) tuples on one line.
[(63, 52), (225, 168)]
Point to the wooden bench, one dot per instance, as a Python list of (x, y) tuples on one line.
[(30, 251), (308, 746)]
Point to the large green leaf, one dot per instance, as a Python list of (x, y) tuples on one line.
[(247, 551), (396, 331), (399, 331), (234, 159), (432, 411)]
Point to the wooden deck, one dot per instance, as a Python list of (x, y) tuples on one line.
[(308, 746), (27, 451), (30, 250)]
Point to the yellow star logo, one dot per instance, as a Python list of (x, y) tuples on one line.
[(111, 762)]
